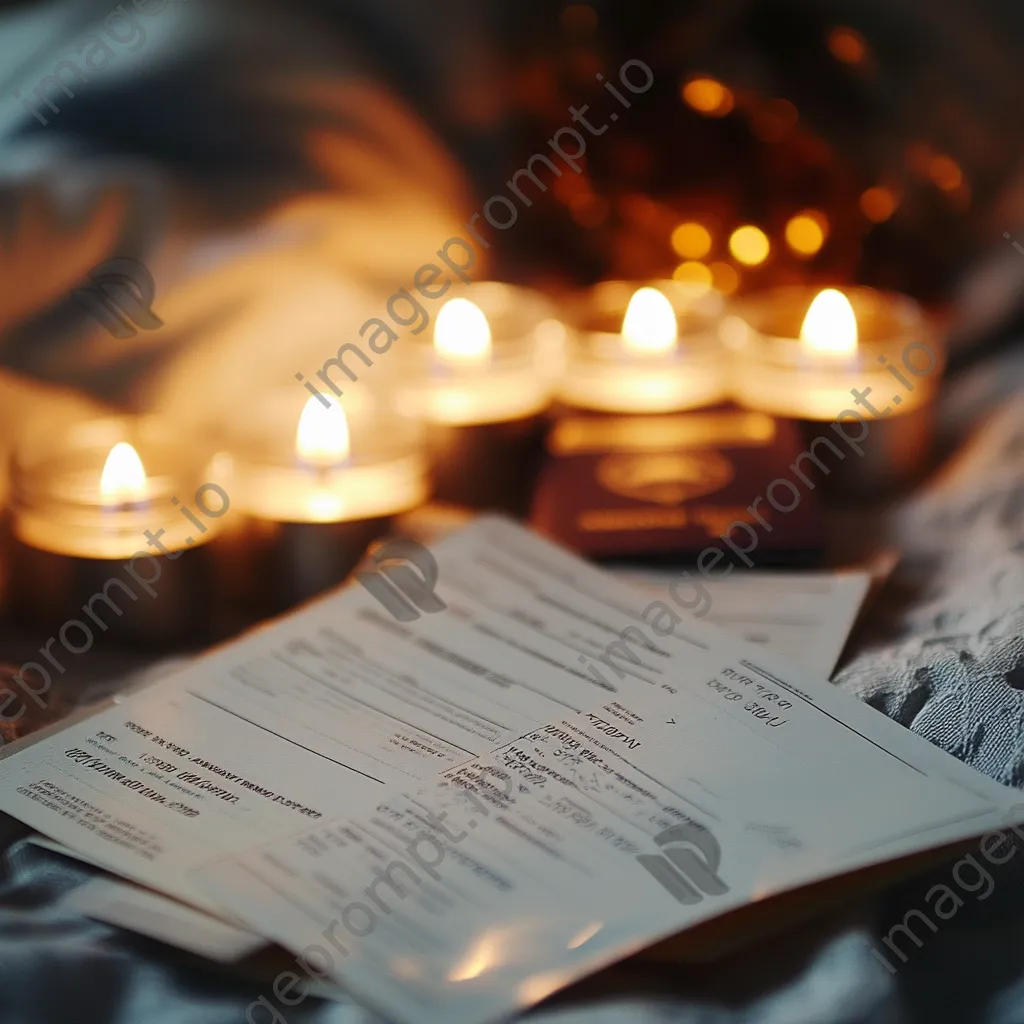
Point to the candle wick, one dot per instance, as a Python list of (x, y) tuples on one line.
[(126, 504), (324, 472)]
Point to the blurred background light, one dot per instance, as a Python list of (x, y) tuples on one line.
[(846, 45), (708, 96), (806, 232), (725, 277), (749, 245), (691, 240), (878, 203), (694, 272), (945, 172)]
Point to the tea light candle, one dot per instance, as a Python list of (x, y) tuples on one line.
[(317, 489), (863, 361), (102, 544), (482, 388), (650, 349)]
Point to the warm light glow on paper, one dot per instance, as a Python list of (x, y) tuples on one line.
[(581, 938), (461, 333), (830, 325), (480, 958), (649, 326), (124, 477)]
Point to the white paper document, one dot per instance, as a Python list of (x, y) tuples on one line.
[(567, 770), (806, 616), (159, 917), (577, 844), (129, 906), (292, 723)]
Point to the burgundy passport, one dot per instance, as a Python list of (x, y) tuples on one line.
[(668, 487)]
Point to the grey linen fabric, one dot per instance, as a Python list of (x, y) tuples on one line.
[(946, 655)]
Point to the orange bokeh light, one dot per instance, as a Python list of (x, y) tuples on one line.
[(725, 277), (945, 172), (806, 232), (708, 96), (694, 272), (847, 45), (878, 204), (749, 245), (691, 240)]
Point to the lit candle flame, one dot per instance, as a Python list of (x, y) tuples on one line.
[(649, 326), (461, 333), (830, 325), (322, 438), (124, 477)]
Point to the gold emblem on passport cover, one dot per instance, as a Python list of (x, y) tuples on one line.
[(667, 478), (669, 485)]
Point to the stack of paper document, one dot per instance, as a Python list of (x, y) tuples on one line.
[(453, 816), (806, 616)]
